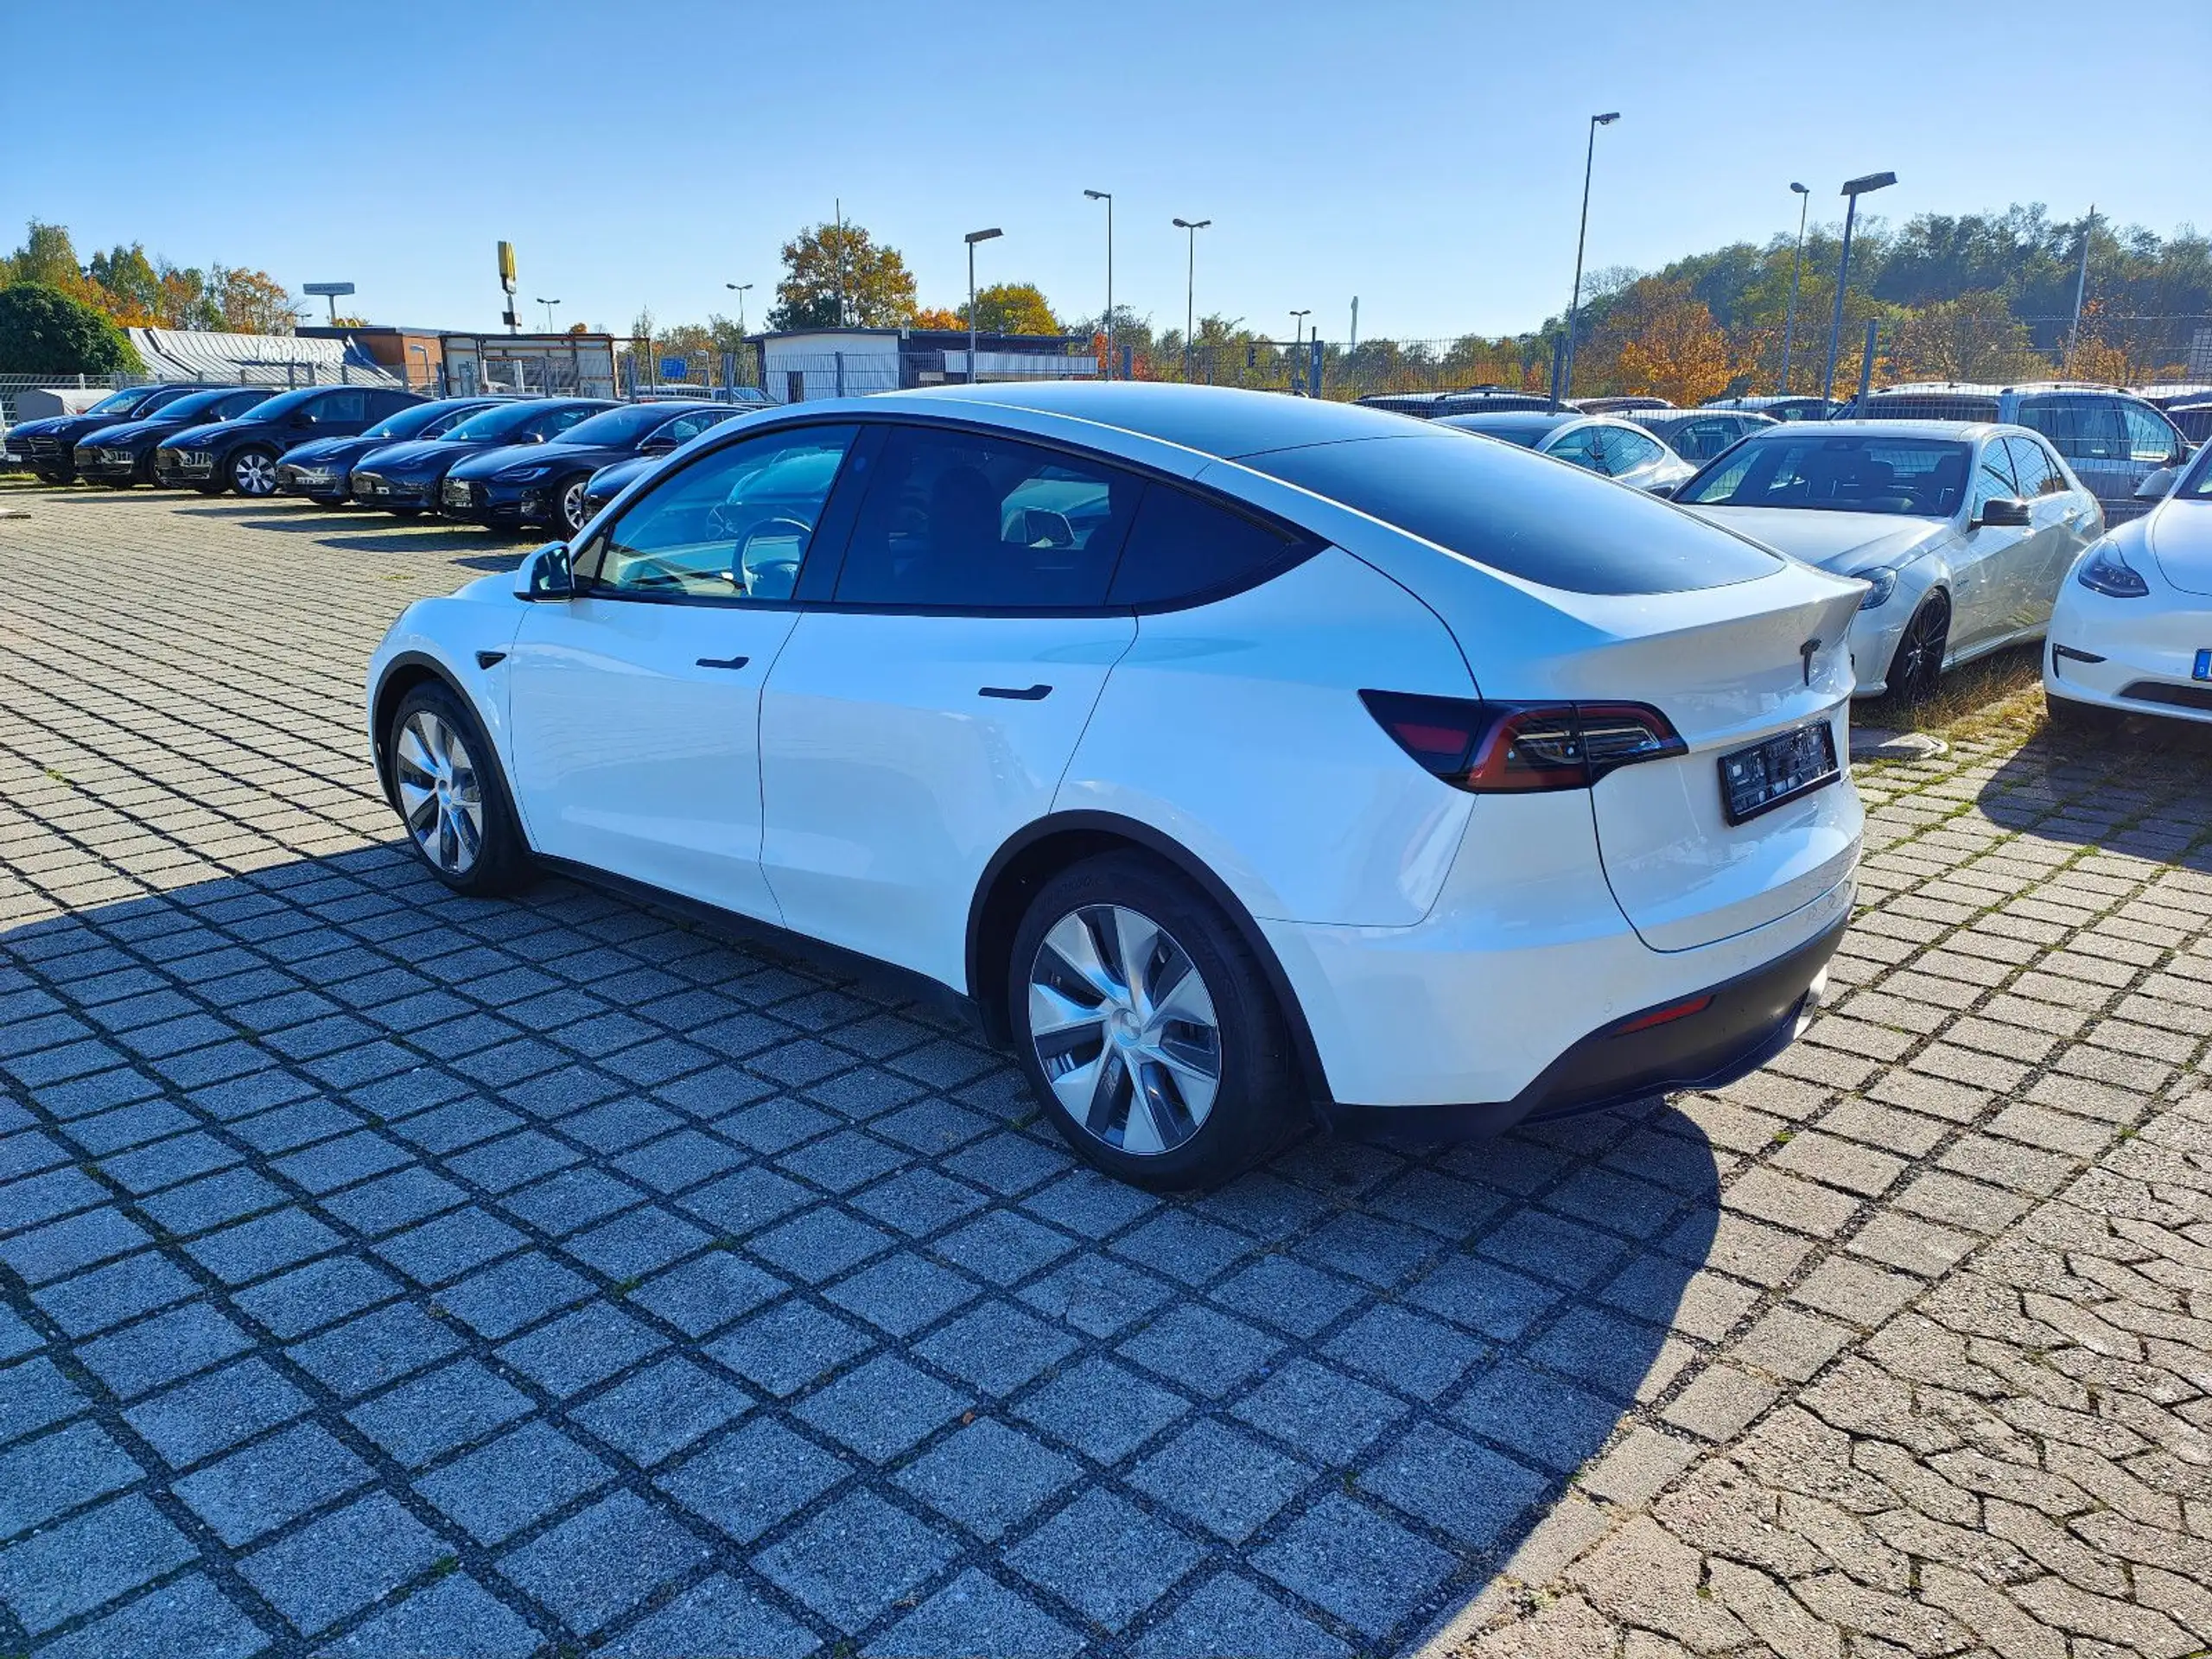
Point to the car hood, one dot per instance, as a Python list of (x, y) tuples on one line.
[(206, 432), (611, 480), (1844, 543), (568, 456), (2180, 534), (416, 457), (321, 449), (131, 431), (45, 426)]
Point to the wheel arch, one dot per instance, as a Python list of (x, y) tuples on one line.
[(1041, 850), (406, 670)]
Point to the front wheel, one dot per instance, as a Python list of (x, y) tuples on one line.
[(254, 473), (447, 784), (1918, 663), (574, 514), (2078, 720), (1146, 1027)]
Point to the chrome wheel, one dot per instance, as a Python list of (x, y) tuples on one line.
[(1124, 1029), (572, 507), (254, 474), (439, 794)]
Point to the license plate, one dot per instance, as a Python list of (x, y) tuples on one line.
[(1762, 777), (2203, 671)]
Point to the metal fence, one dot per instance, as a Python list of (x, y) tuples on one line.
[(277, 377)]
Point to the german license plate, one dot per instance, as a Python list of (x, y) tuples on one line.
[(2203, 669), (1785, 766)]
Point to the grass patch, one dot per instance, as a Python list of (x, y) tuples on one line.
[(1998, 696)]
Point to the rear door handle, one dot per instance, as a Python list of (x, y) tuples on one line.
[(1017, 694), (724, 662)]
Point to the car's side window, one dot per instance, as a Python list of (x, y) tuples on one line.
[(552, 424), (966, 521), (686, 428), (1585, 445), (1626, 451), (1703, 440), (340, 406), (2035, 469), (1183, 548), (733, 525), (2080, 429), (2148, 437), (1993, 478)]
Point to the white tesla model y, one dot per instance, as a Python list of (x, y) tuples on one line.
[(1235, 757)]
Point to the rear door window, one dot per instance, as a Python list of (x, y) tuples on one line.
[(1183, 549), (342, 406), (2080, 429), (1623, 451), (2149, 438), (555, 422)]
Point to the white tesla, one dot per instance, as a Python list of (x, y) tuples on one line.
[(2132, 630), (1961, 530), (1228, 754)]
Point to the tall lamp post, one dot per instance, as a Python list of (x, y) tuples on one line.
[(1189, 287), (739, 290), (1797, 268), (1107, 196), (1297, 325), (974, 236), (1853, 189), (1574, 304), (549, 305)]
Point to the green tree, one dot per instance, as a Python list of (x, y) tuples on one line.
[(835, 275), (48, 256), (43, 331), (132, 282), (1012, 309)]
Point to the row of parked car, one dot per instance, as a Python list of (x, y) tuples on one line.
[(502, 460)]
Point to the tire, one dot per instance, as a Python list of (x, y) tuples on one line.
[(571, 513), (1917, 667), (252, 472), (55, 475), (212, 487), (452, 799), (1067, 961)]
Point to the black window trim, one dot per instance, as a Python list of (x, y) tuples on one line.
[(841, 515)]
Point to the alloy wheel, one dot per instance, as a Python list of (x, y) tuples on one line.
[(572, 507), (255, 474), (1124, 1029), (1919, 661), (440, 796)]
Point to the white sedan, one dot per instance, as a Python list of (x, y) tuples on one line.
[(1961, 530), (2132, 632), (1144, 720)]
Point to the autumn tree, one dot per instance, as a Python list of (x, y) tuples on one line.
[(835, 275), (254, 302), (1969, 338), (937, 316), (1670, 346)]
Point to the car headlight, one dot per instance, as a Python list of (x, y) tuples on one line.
[(1883, 588), (523, 474), (2104, 571)]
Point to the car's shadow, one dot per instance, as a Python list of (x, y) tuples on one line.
[(2139, 784), (1344, 1388)]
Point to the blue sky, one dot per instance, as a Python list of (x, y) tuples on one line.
[(1427, 157)]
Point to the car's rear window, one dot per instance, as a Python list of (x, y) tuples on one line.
[(1926, 406), (1521, 514)]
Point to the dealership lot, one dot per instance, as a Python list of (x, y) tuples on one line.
[(385, 1268)]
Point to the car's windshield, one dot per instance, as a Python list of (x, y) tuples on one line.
[(496, 422), (408, 422), (115, 402), (185, 409), (620, 427), (1835, 472), (2197, 483), (282, 403)]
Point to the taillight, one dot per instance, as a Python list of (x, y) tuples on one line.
[(1490, 747)]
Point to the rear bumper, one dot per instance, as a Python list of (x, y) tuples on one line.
[(1743, 1023)]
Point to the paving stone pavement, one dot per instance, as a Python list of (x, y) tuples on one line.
[(388, 1273)]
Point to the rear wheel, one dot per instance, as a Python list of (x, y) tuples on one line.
[(252, 472), (451, 797), (1146, 1027), (1918, 664)]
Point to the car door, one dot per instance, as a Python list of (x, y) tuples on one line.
[(635, 705), (2063, 521), (1987, 569), (927, 712)]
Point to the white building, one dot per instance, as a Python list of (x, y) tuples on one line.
[(849, 362)]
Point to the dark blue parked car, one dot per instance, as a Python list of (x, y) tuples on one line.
[(119, 456), (48, 447), (322, 470), (545, 483), (404, 478), (241, 454)]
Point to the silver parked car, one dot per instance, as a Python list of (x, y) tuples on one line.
[(1605, 444), (1961, 530), (1698, 435)]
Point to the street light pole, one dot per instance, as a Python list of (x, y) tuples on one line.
[(974, 236), (1190, 288), (739, 289), (1853, 189), (549, 305), (1797, 268), (2080, 286), (1107, 196), (1574, 305)]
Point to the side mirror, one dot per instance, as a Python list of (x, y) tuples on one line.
[(302, 418), (1665, 491), (545, 575), (2156, 486), (2004, 510), (656, 446)]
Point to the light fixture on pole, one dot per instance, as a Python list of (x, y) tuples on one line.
[(739, 289), (549, 305), (1297, 325), (1853, 189), (1796, 267), (1574, 304), (329, 291), (974, 236), (2080, 286), (1189, 287), (1107, 196)]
